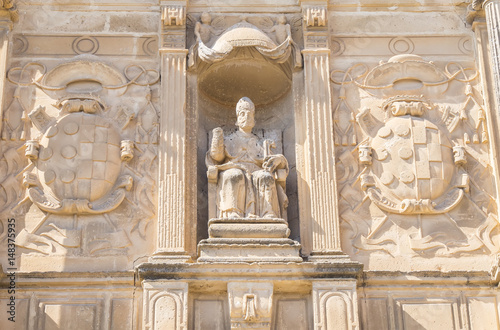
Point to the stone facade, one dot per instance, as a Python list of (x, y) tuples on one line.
[(356, 186)]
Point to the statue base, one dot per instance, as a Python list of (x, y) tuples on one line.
[(248, 240), (248, 228)]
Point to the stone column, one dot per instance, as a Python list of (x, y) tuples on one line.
[(318, 196), (173, 239), (492, 10)]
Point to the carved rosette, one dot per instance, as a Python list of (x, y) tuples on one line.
[(78, 164), (410, 166)]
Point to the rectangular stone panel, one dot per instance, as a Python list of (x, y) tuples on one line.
[(483, 313), (21, 314), (426, 316), (291, 314), (122, 314), (375, 315), (69, 316), (210, 314)]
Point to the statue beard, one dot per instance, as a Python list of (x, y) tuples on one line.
[(247, 124)]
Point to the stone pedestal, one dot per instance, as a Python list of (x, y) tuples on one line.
[(248, 240)]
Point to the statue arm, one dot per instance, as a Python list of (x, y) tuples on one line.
[(197, 28), (217, 146), (288, 31)]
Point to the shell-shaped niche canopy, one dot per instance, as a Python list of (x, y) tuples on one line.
[(244, 61)]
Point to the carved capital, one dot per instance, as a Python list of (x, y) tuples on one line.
[(173, 25), (173, 15), (314, 16)]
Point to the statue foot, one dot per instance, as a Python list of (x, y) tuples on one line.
[(232, 215)]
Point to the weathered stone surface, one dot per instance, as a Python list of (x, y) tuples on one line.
[(355, 187)]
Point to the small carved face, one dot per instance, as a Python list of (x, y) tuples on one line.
[(245, 117), (282, 19), (206, 18)]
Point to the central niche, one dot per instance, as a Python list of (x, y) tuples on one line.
[(251, 57)]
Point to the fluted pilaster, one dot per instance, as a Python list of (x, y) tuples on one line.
[(172, 237), (320, 173)]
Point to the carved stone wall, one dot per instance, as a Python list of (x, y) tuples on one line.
[(358, 189)]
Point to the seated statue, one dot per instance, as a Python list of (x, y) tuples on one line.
[(250, 180)]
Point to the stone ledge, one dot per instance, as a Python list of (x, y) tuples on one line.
[(335, 269)]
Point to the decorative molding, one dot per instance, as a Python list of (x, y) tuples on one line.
[(30, 45)]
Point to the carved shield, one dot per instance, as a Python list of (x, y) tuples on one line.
[(412, 159), (79, 157)]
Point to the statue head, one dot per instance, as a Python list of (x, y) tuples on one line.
[(245, 111), (282, 19), (206, 18)]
